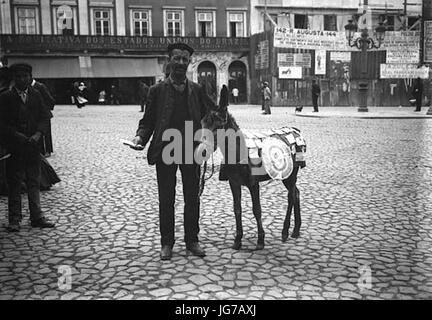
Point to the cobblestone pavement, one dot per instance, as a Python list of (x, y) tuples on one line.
[(366, 202)]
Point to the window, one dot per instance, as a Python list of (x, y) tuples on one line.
[(414, 23), (205, 24), (330, 23), (300, 21), (173, 23), (27, 20), (141, 24), (65, 20), (102, 22), (390, 23), (236, 27), (268, 25)]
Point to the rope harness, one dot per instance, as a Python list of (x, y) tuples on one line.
[(203, 179)]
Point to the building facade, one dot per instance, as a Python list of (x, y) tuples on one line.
[(107, 43), (341, 67)]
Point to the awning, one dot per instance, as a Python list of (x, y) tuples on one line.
[(125, 67), (91, 67), (51, 68)]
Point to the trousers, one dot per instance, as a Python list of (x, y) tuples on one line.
[(21, 169), (315, 102), (167, 179)]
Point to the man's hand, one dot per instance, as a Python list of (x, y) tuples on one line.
[(22, 139), (35, 138), (138, 143)]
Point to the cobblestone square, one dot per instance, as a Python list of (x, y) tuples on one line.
[(366, 204)]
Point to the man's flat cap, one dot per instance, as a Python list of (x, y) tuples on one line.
[(21, 67), (181, 46)]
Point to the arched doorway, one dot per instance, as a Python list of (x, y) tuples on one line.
[(207, 78), (237, 78)]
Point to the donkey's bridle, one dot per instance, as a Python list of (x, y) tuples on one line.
[(202, 177)]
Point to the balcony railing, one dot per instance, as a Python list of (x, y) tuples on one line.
[(53, 43)]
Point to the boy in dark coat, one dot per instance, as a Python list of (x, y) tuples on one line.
[(23, 121)]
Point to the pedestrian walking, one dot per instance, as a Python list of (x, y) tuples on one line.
[(78, 93), (170, 104), (23, 121), (267, 98), (114, 96), (316, 91), (102, 97), (235, 93), (262, 97), (47, 144), (417, 93), (143, 89)]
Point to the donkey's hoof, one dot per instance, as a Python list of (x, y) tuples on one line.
[(295, 234), (259, 246), (237, 245), (284, 237)]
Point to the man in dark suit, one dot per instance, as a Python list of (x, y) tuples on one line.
[(417, 93), (49, 102), (23, 121), (170, 104), (316, 91)]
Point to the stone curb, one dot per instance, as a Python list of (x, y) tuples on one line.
[(363, 117)]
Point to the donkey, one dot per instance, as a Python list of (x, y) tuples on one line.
[(239, 174)]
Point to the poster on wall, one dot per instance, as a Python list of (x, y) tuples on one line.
[(320, 62), (290, 72), (310, 39), (403, 71), (336, 40), (428, 41), (294, 60), (344, 56), (403, 56), (340, 65)]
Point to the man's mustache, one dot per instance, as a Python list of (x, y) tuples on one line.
[(180, 68)]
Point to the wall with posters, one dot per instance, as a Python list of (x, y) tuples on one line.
[(339, 72)]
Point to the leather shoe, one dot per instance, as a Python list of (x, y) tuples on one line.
[(13, 227), (166, 253), (42, 223), (195, 249)]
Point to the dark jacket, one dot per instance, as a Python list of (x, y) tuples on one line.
[(417, 90), (315, 90), (157, 116), (47, 98), (36, 114)]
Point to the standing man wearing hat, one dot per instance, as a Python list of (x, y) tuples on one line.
[(23, 121), (170, 104), (316, 91)]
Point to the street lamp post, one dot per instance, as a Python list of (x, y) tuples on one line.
[(364, 43)]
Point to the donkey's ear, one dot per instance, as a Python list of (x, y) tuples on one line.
[(222, 108)]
